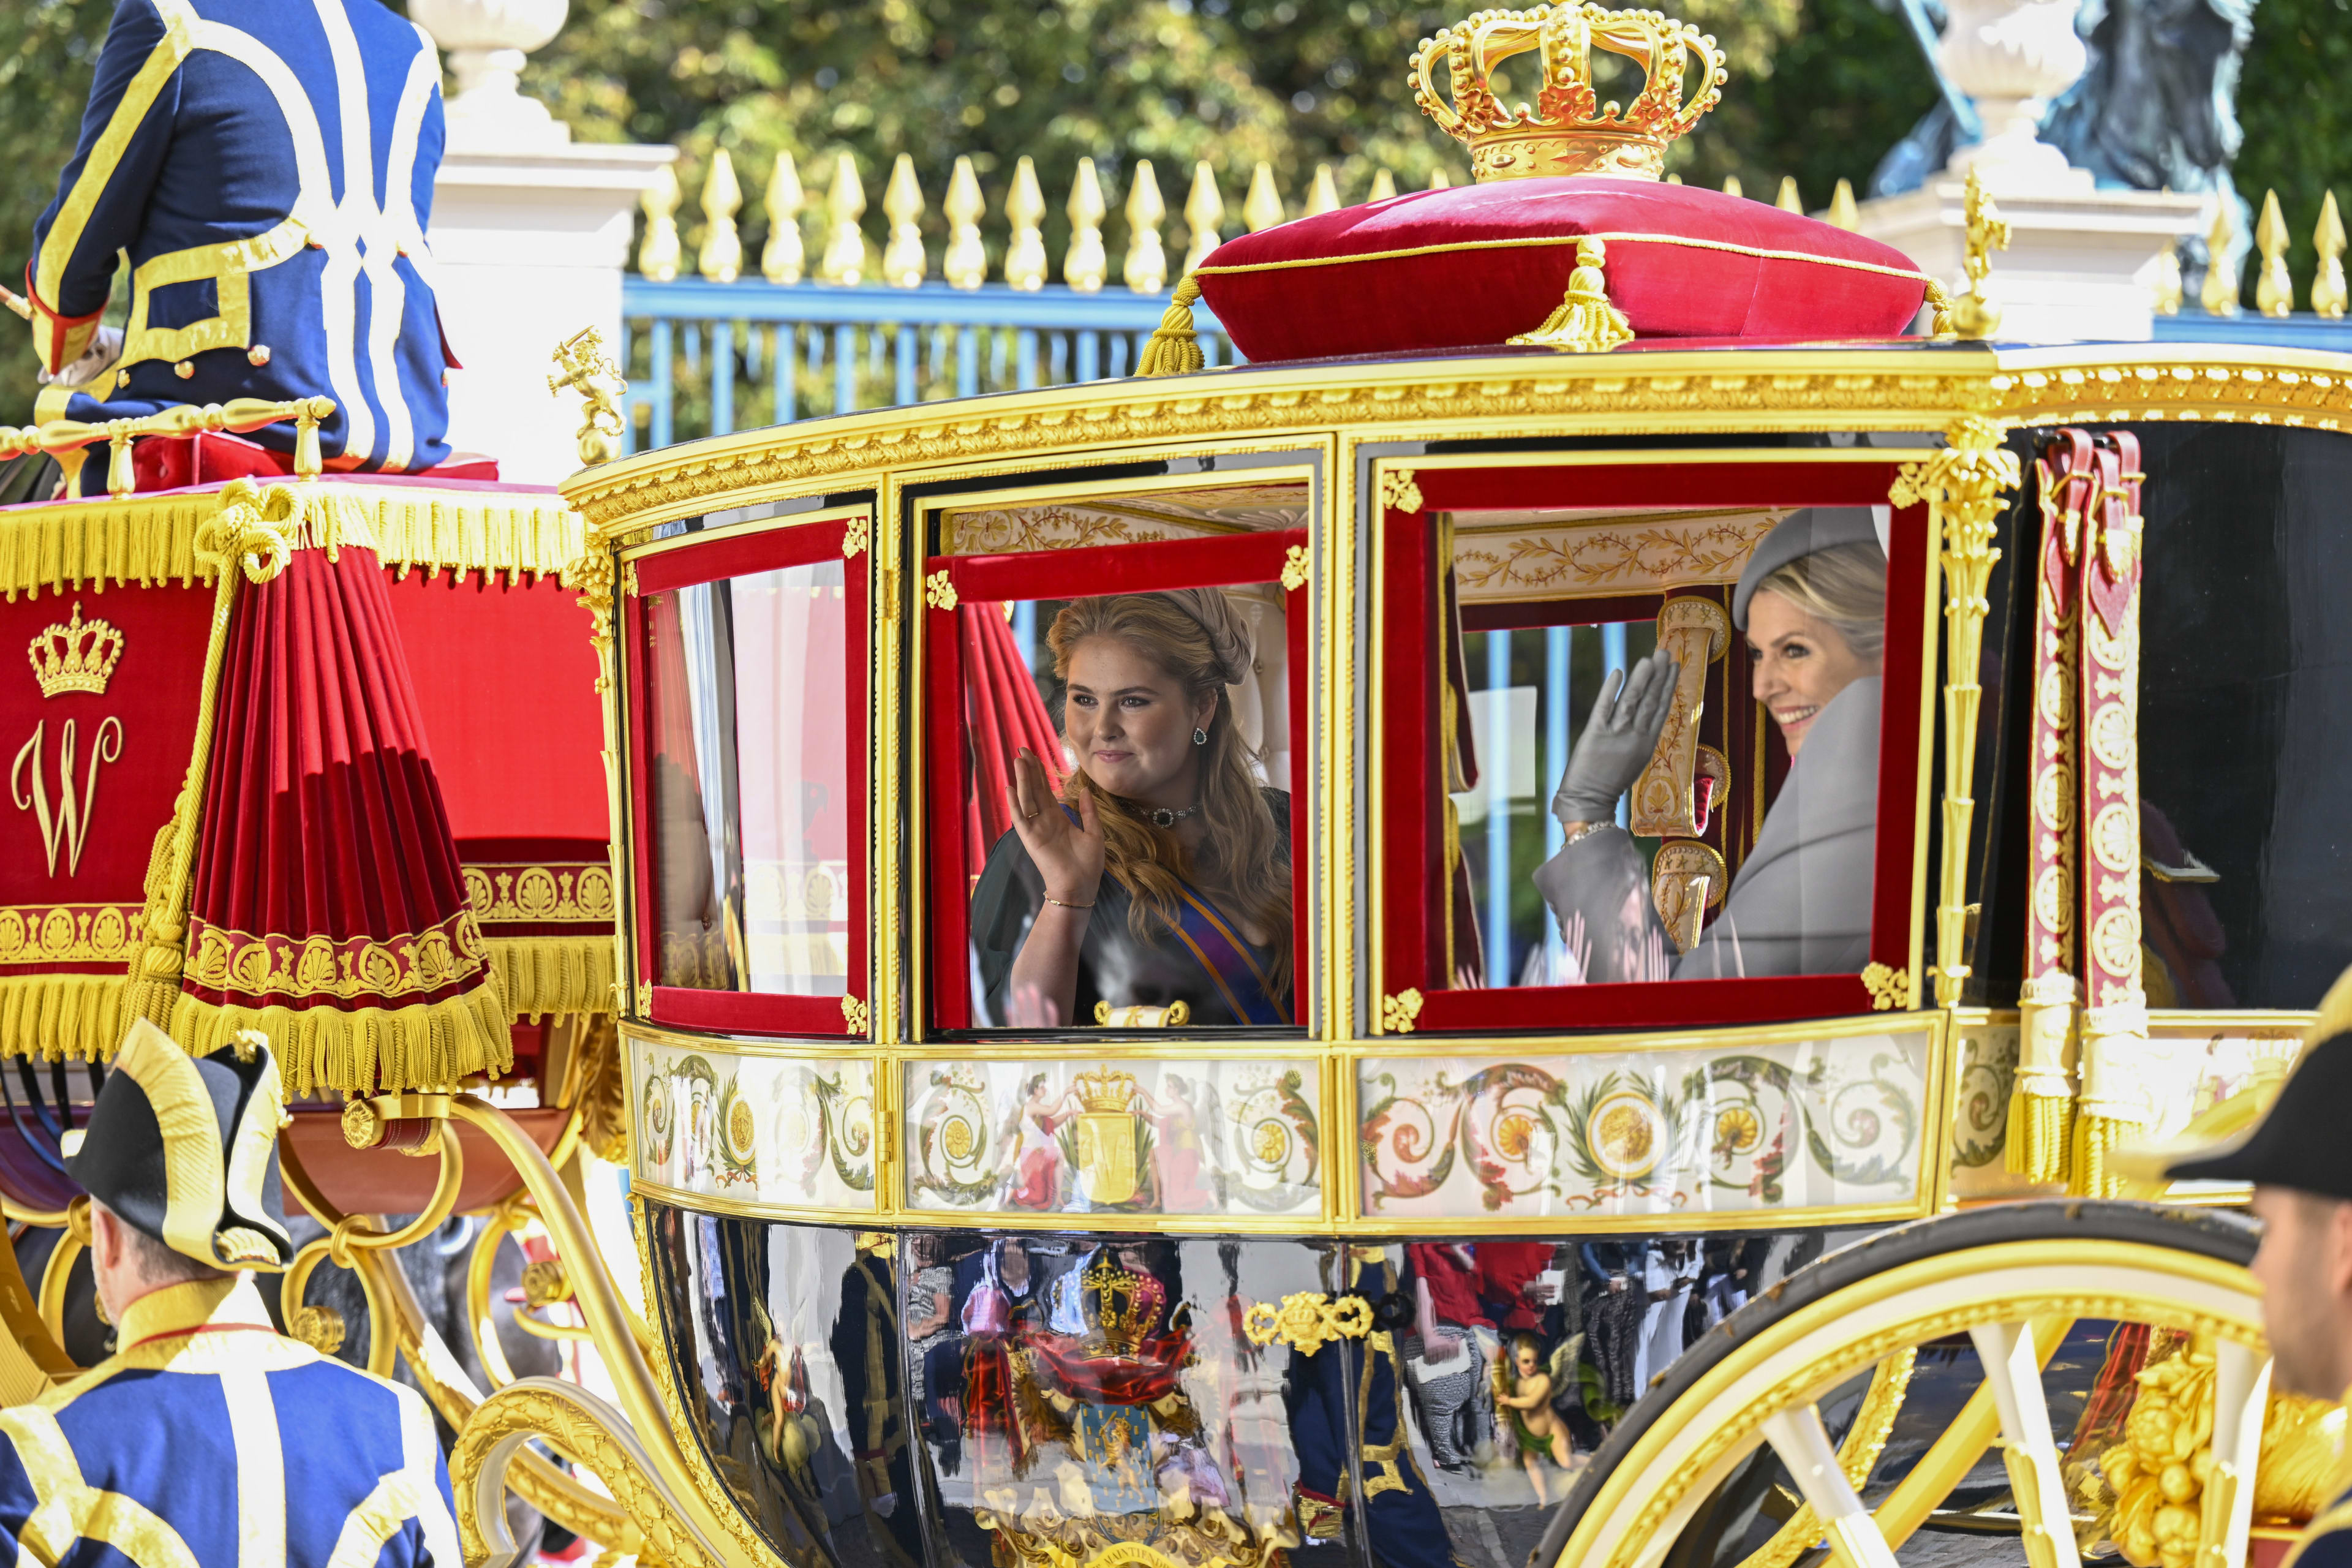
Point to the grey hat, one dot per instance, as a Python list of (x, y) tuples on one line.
[(1801, 533)]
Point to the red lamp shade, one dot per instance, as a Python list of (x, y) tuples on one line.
[(1478, 265)]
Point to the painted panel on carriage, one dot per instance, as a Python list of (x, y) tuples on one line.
[(1710, 1129), (751, 781), (1232, 1138), (754, 1130)]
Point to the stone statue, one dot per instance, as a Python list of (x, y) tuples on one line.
[(2156, 108)]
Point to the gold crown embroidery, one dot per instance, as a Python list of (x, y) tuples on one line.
[(1569, 131), (77, 656)]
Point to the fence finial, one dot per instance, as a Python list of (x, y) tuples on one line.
[(1024, 208), (2273, 289), (1324, 197), (1844, 214), (1731, 186), (1146, 269), (785, 257), (844, 204), (1262, 208), (1383, 185), (1084, 264), (657, 257), (1789, 200), (965, 264), (1439, 180), (2327, 290), (720, 259), (903, 262), (2165, 287), (2219, 295), (1204, 209)]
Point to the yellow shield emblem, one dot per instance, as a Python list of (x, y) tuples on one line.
[(1109, 1145)]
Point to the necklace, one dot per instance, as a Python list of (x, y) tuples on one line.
[(1161, 817)]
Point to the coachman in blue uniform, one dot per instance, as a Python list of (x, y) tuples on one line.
[(207, 1437), (2300, 1163), (268, 165)]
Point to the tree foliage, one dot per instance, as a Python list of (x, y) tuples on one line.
[(1819, 89)]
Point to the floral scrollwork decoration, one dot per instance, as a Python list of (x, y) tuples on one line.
[(1307, 1321), (1398, 1012), (1399, 492), (855, 1015), (855, 539), (1296, 563), (1889, 988), (938, 592)]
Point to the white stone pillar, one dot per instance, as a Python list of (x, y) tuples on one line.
[(2081, 262), (530, 236), (528, 247)]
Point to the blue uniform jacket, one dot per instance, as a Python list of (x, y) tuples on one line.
[(268, 165), (2327, 1541), (210, 1439)]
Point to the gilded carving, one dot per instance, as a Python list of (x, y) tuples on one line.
[(1668, 552), (1398, 1012), (1399, 492), (938, 592), (1307, 1321), (1889, 988), (1296, 566), (1695, 632)]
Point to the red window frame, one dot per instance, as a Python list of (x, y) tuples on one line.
[(1070, 574), (737, 555), (1413, 877)]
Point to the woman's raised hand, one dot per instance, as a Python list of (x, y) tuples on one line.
[(1068, 855), (1617, 740)]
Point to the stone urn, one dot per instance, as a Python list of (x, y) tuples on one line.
[(484, 42), (2012, 56)]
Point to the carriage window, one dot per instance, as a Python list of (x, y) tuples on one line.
[(748, 723), (751, 782), (1112, 787), (1655, 738)]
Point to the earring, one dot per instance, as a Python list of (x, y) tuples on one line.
[(1200, 736)]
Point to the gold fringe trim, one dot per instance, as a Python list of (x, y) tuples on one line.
[(2095, 1141), (68, 546), (61, 1018), (543, 975), (2038, 1130), (367, 1050), (1174, 349)]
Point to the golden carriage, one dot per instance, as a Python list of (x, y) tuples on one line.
[(1179, 1280)]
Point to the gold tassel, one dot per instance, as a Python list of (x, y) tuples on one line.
[(1939, 300), (1585, 322), (2095, 1140), (2037, 1136), (1175, 350), (559, 975), (369, 1050), (61, 1018), (2042, 1106)]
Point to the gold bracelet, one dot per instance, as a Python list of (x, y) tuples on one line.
[(1065, 904)]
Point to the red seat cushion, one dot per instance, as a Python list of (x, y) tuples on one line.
[(1477, 265)]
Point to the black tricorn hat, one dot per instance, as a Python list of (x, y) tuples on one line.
[(2299, 1141), (185, 1149)]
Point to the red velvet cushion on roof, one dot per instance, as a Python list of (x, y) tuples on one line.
[(1479, 264)]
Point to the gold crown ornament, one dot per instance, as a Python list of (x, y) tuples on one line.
[(1105, 1090), (1569, 131), (77, 656)]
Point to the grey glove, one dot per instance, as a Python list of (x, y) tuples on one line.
[(1617, 741)]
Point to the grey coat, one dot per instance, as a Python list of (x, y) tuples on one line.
[(1800, 903)]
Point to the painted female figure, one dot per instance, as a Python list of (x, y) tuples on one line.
[(1161, 873)]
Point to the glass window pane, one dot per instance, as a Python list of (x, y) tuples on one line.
[(751, 781), (1165, 718)]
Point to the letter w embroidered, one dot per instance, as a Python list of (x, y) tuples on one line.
[(70, 825)]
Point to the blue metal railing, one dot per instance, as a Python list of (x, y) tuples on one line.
[(2300, 331), (705, 358)]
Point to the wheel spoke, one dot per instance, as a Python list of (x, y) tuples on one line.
[(2241, 1390), (1803, 1444), (2013, 1373)]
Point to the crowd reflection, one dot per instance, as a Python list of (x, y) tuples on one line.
[(1023, 1401)]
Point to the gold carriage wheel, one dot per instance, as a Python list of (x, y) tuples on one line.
[(2013, 1277)]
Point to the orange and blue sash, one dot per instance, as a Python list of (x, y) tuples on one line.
[(1238, 976)]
